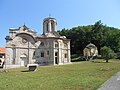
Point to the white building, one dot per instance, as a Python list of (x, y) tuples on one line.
[(90, 51), (24, 46)]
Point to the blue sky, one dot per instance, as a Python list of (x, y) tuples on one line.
[(69, 13)]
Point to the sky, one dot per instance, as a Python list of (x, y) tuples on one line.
[(68, 13)]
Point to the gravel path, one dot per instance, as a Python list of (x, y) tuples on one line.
[(112, 84)]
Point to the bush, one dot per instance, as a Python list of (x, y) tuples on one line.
[(107, 53)]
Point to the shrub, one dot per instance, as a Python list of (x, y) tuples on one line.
[(107, 53)]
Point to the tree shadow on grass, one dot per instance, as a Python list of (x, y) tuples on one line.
[(28, 71), (25, 71), (99, 61)]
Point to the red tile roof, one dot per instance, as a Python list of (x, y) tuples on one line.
[(2, 50)]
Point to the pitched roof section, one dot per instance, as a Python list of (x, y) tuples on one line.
[(91, 46), (2, 50)]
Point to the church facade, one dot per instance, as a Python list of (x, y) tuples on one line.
[(24, 46)]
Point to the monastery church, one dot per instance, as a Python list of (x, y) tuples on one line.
[(24, 46)]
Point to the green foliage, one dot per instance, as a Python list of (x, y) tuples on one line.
[(98, 34), (107, 53)]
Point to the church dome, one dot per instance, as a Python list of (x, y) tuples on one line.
[(49, 25), (49, 18)]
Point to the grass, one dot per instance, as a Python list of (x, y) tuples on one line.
[(76, 76)]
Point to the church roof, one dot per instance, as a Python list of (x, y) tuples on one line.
[(25, 26), (91, 46), (53, 38), (2, 50), (49, 18)]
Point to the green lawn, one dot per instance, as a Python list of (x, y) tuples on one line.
[(76, 76)]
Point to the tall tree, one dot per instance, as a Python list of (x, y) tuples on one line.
[(98, 34)]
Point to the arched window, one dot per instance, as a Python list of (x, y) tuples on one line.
[(56, 44), (47, 26), (48, 52), (34, 54), (52, 25), (65, 55)]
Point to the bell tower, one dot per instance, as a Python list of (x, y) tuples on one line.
[(49, 25)]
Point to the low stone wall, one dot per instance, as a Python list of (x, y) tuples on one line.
[(11, 66)]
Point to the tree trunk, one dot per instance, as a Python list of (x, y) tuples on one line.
[(106, 60)]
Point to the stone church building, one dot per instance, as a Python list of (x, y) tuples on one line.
[(24, 46)]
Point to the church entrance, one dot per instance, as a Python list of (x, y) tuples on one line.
[(56, 57), (23, 60)]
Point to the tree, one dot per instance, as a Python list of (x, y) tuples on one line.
[(99, 34), (107, 53)]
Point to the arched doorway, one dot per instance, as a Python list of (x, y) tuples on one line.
[(56, 58), (23, 58)]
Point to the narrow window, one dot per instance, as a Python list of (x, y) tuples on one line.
[(42, 54), (56, 44), (65, 55), (47, 52), (0, 56), (56, 54), (52, 25), (47, 26)]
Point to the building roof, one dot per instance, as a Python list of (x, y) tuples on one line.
[(2, 50), (49, 18), (91, 46)]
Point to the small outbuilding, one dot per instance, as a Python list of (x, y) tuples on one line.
[(90, 51), (2, 57)]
